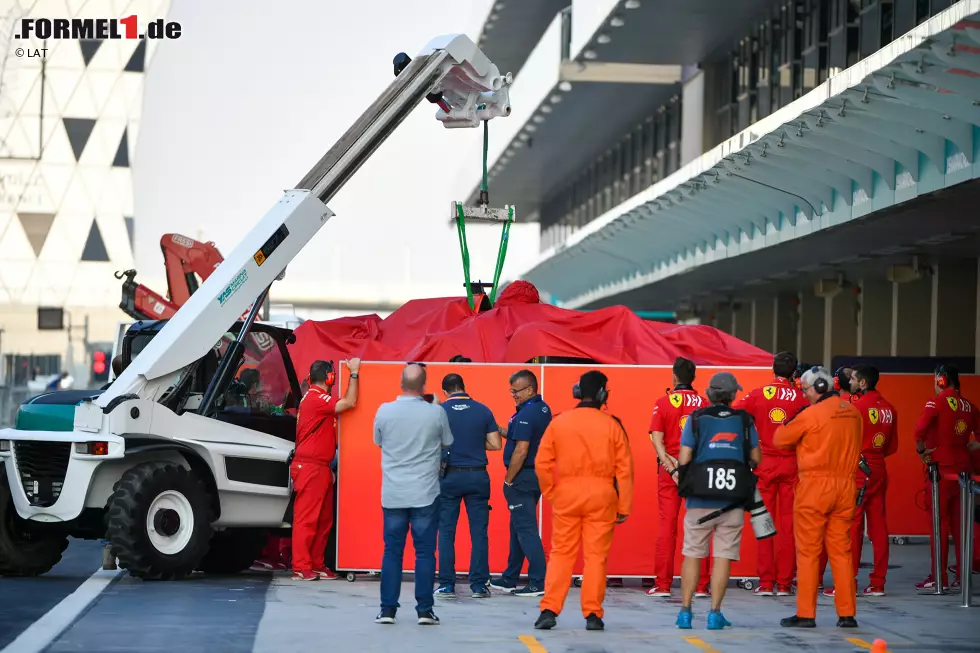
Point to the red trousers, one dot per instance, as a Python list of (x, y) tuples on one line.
[(669, 503), (278, 549), (949, 524), (872, 509), (777, 555), (312, 514)]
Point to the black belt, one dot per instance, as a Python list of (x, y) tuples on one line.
[(453, 468)]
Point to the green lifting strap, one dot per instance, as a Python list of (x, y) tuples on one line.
[(504, 235)]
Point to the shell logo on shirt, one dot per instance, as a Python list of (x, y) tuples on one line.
[(873, 415), (769, 392), (683, 422), (960, 427), (777, 415), (676, 400), (878, 441)]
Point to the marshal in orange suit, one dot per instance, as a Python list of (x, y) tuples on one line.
[(827, 439), (585, 470)]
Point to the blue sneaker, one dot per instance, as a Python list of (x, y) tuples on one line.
[(685, 619), (717, 621), (503, 586), (480, 591), (445, 592)]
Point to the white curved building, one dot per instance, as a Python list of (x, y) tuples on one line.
[(69, 120)]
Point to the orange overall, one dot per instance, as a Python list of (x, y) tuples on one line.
[(585, 470), (827, 438)]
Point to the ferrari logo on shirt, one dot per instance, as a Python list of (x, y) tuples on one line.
[(777, 415), (769, 392), (676, 400), (953, 403), (873, 415), (878, 441), (960, 427), (683, 422)]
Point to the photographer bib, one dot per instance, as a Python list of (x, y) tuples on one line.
[(719, 478)]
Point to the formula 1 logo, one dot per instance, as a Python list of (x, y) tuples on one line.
[(769, 392), (676, 400), (77, 29), (873, 415)]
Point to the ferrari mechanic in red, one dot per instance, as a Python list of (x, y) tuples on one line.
[(670, 413), (880, 440), (942, 435), (316, 446), (771, 406)]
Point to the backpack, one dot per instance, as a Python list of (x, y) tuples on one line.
[(725, 479)]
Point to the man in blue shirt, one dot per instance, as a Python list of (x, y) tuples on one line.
[(523, 433), (475, 432), (720, 437)]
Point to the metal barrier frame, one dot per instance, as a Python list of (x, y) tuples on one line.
[(968, 488)]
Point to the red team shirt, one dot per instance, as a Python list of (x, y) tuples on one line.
[(670, 414), (880, 431), (945, 424), (316, 427), (770, 407)]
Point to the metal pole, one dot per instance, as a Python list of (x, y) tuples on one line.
[(966, 539), (937, 563)]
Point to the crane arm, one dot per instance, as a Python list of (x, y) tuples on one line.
[(184, 257), (451, 70)]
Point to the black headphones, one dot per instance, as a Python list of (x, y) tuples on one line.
[(601, 396), (820, 385)]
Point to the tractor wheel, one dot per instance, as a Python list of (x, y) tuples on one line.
[(233, 550), (159, 521), (24, 551)]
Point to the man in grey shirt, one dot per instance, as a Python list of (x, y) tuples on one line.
[(411, 433)]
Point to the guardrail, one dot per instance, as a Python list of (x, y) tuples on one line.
[(969, 488)]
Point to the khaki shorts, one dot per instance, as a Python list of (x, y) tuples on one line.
[(727, 531)]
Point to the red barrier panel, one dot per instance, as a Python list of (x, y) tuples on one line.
[(360, 544), (906, 500), (633, 390)]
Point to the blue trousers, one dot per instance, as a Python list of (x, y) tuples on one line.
[(473, 489), (522, 501), (424, 523)]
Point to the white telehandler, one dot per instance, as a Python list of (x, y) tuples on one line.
[(176, 475)]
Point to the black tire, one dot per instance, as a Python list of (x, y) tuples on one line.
[(24, 552), (233, 550), (127, 512)]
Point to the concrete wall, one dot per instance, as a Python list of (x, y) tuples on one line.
[(935, 315), (874, 336), (912, 312), (955, 292), (764, 333)]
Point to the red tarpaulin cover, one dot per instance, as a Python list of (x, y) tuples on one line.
[(516, 330)]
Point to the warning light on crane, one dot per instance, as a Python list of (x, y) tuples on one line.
[(100, 366)]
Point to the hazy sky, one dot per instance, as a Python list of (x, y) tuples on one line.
[(255, 92)]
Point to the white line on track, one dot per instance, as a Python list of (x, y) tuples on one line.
[(40, 634)]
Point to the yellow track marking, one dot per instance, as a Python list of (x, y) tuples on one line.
[(532, 644)]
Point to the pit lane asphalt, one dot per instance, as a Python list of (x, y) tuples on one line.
[(25, 600), (263, 613)]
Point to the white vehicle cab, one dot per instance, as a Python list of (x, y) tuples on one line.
[(181, 462)]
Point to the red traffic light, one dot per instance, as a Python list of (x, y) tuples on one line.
[(98, 367), (99, 357)]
